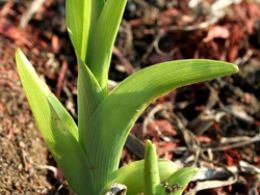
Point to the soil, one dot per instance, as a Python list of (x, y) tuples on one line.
[(220, 118), (23, 153)]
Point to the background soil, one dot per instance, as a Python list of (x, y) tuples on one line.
[(213, 125)]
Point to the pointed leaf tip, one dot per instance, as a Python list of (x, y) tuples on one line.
[(151, 169), (55, 124), (177, 182)]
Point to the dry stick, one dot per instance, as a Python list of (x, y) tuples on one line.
[(231, 145), (155, 43), (26, 17), (190, 140), (235, 145), (240, 143), (211, 184), (150, 117), (6, 8), (53, 169), (61, 78)]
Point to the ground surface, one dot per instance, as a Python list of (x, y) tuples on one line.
[(214, 125)]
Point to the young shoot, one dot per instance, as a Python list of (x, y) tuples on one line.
[(89, 153)]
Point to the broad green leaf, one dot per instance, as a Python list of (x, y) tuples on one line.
[(151, 170), (102, 40), (81, 15), (81, 19), (78, 19), (131, 175), (177, 182), (112, 120), (89, 96), (55, 124)]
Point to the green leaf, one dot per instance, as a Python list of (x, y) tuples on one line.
[(81, 19), (131, 175), (177, 182), (78, 19), (112, 120), (81, 16), (89, 96), (56, 125), (151, 170), (103, 38)]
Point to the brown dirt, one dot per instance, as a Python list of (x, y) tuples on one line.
[(22, 151)]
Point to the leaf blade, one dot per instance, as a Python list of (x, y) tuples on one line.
[(103, 38), (176, 183), (89, 96), (55, 124), (78, 20), (81, 17), (127, 101), (129, 173), (151, 170)]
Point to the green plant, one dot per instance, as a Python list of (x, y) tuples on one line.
[(89, 153)]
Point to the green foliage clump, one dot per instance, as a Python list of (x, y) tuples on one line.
[(89, 153)]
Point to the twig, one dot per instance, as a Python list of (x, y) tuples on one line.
[(53, 169), (190, 140), (248, 168), (211, 184), (150, 116), (157, 47), (238, 144), (6, 8), (26, 17), (61, 78)]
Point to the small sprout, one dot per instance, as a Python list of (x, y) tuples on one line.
[(105, 119)]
